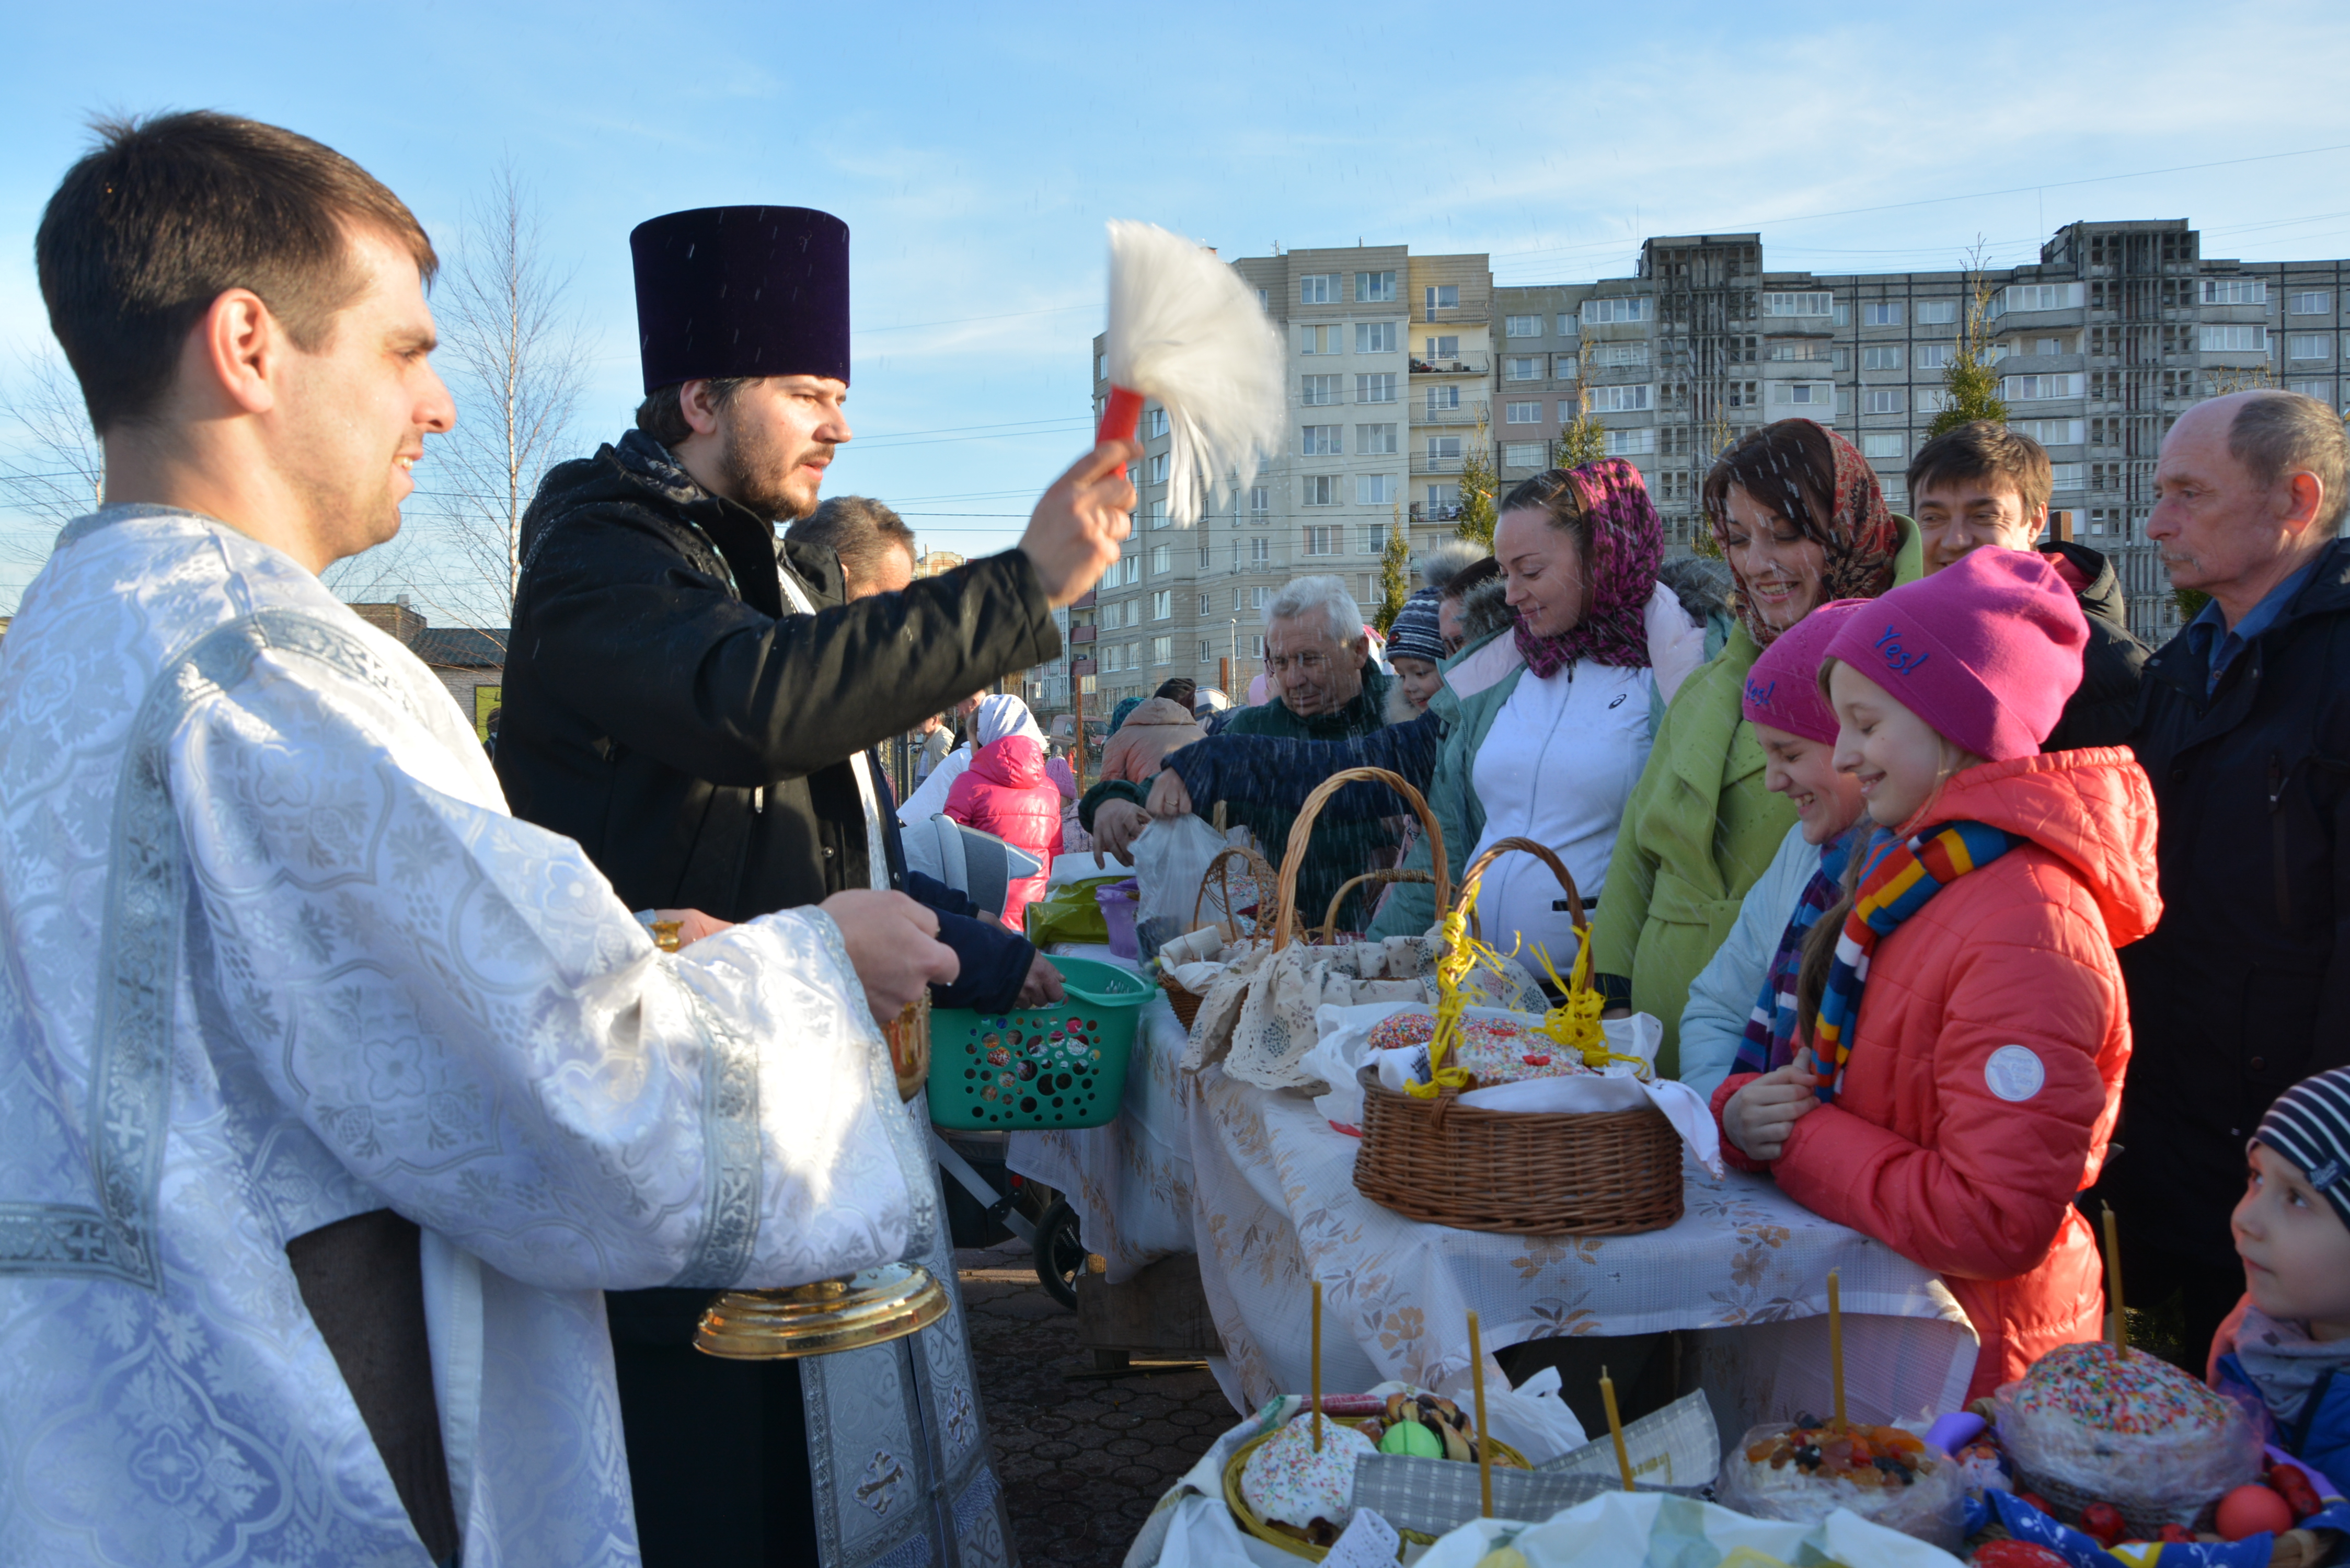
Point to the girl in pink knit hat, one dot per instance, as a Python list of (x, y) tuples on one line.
[(1966, 1025)]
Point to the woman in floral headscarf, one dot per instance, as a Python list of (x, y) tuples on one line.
[(1797, 514), (1550, 720)]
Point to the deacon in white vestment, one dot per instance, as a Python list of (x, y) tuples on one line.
[(276, 956)]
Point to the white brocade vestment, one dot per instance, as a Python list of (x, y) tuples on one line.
[(275, 955)]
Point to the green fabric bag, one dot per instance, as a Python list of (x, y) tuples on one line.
[(1070, 913)]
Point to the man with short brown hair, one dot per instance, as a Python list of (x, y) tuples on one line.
[(333, 1095), (873, 544), (1983, 484), (2244, 989)]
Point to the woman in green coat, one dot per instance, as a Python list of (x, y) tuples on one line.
[(1798, 515)]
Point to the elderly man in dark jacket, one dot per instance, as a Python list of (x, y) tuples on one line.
[(2244, 988), (1983, 484), (693, 701)]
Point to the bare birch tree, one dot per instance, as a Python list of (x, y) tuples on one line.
[(514, 356), (52, 469)]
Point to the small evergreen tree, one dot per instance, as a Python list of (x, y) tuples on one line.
[(1970, 380), (1478, 484), (1395, 574), (1582, 438)]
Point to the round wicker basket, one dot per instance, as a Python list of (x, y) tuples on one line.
[(1604, 1173), (1186, 1004), (1251, 1520)]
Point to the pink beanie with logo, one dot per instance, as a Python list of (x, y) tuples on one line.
[(1986, 651), (1782, 689)]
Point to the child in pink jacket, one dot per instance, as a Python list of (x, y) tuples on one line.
[(1966, 1025)]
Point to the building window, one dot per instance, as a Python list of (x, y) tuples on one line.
[(1935, 356), (1880, 313), (1607, 312), (2035, 297), (1259, 557), (1205, 656), (2213, 338), (1162, 560), (1613, 355), (1447, 348), (1444, 449), (1260, 502), (1743, 394), (1443, 400), (1375, 336), (2067, 475), (1207, 604), (1888, 357), (1622, 399), (1322, 440), (1443, 296), (1521, 327), (1800, 351), (1320, 489), (1316, 390), (2036, 388), (1883, 445), (1631, 443), (1159, 464), (1162, 651), (1317, 340), (1804, 394), (1154, 424), (1522, 413), (1937, 311), (1375, 489), (1162, 605), (1113, 660), (1129, 569), (1318, 288), (1378, 388), (2310, 302), (2309, 346), (1157, 515), (1522, 368), (1932, 399), (1256, 646), (1263, 303), (1323, 539), (1443, 503), (1521, 454), (2321, 390), (1566, 367), (1882, 400), (1798, 304), (2233, 291), (1375, 440), (1101, 366), (2050, 432), (1372, 287), (1370, 538)]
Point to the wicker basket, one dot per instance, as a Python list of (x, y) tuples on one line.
[(1301, 834), (1186, 1004), (1604, 1173), (1249, 1520)]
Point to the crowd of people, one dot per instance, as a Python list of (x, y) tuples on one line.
[(368, 1164)]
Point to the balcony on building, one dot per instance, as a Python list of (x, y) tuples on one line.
[(1422, 462), (1083, 634), (1083, 601), (1419, 512), (1081, 667), (1470, 364)]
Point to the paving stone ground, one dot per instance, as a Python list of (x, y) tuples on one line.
[(1082, 1462)]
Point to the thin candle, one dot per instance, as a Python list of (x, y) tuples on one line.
[(1615, 1427), (2117, 1332), (1835, 1343), (1317, 1366), (1484, 1435)]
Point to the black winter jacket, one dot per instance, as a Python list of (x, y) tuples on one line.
[(2244, 988), (665, 708), (2102, 711)]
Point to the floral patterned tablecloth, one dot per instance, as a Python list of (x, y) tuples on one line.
[(1263, 1188)]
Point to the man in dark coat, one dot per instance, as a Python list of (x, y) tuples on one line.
[(1983, 484), (693, 702), (2244, 988)]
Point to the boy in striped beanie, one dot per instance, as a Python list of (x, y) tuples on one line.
[(2280, 1352)]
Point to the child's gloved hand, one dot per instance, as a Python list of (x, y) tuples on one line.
[(1757, 1116)]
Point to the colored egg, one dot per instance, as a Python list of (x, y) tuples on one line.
[(2252, 1508), (1411, 1437)]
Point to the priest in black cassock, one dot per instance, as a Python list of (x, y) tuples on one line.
[(693, 700)]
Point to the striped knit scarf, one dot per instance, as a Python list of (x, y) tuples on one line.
[(1770, 1039), (1895, 881)]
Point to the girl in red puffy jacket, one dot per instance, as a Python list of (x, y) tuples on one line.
[(1965, 1011), (1006, 792)]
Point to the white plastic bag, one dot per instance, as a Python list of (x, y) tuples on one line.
[(1171, 858)]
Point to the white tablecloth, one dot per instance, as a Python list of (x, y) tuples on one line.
[(1130, 1181), (1278, 1208)]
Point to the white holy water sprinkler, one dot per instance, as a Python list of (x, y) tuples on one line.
[(1185, 331)]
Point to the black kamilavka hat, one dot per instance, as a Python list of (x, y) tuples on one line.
[(742, 291)]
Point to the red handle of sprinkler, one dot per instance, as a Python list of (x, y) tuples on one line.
[(1121, 416)]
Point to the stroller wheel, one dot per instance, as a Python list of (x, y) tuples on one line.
[(1060, 1253)]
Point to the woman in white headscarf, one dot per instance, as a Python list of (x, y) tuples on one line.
[(999, 715)]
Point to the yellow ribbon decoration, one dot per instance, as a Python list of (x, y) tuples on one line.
[(1573, 1025)]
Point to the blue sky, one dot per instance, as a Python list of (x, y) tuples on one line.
[(975, 153)]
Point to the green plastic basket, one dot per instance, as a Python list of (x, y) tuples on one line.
[(1040, 1067)]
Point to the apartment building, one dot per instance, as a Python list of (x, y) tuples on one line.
[(1398, 361)]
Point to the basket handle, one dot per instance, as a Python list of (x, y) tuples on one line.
[(1301, 832), (1548, 858), (1222, 873), (1330, 920)]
